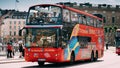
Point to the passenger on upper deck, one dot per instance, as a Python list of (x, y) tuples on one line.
[(66, 17), (32, 18)]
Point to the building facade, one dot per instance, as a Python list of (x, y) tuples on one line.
[(12, 25)]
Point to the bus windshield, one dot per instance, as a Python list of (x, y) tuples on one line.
[(44, 14), (38, 37), (117, 39)]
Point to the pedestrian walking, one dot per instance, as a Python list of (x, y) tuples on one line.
[(21, 50), (9, 50), (13, 51), (107, 44)]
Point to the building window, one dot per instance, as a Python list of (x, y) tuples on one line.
[(10, 22), (10, 27), (113, 19), (15, 27), (104, 19), (104, 11), (10, 33), (95, 11), (118, 17), (14, 22), (113, 12), (18, 27), (86, 11), (14, 33), (19, 22), (13, 17), (24, 22)]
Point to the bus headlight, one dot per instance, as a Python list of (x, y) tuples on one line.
[(56, 55)]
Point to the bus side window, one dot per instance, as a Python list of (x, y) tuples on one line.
[(84, 19), (99, 24), (66, 15), (80, 18), (89, 21), (95, 23), (74, 17)]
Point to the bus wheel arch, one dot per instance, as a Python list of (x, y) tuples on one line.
[(72, 57)]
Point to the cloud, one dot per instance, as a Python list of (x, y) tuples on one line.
[(113, 2)]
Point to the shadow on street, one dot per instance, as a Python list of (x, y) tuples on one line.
[(62, 65)]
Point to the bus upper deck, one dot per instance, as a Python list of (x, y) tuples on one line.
[(60, 14)]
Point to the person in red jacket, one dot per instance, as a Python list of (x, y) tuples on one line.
[(9, 50)]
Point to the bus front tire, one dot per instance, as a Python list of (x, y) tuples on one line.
[(40, 63)]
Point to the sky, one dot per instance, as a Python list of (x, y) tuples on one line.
[(23, 5)]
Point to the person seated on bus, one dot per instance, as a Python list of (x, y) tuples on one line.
[(34, 42), (74, 19), (28, 39), (32, 18), (39, 40), (45, 43), (84, 19), (66, 17), (53, 17), (40, 15)]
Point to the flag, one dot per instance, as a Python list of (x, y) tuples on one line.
[(17, 1)]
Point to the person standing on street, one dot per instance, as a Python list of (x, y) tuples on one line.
[(21, 50), (9, 50)]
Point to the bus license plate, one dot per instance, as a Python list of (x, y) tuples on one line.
[(41, 59)]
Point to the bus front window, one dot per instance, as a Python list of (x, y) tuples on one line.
[(117, 39), (44, 15), (41, 38)]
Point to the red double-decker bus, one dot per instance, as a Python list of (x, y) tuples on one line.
[(57, 33)]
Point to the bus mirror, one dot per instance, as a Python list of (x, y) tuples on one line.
[(20, 32), (27, 31)]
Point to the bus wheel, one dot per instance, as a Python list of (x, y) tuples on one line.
[(72, 58), (96, 57), (40, 63), (92, 57)]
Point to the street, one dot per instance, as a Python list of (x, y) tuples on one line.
[(110, 60)]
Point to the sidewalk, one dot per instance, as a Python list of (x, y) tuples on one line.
[(110, 48), (4, 59)]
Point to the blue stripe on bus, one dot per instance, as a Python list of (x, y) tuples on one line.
[(72, 44), (77, 50)]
